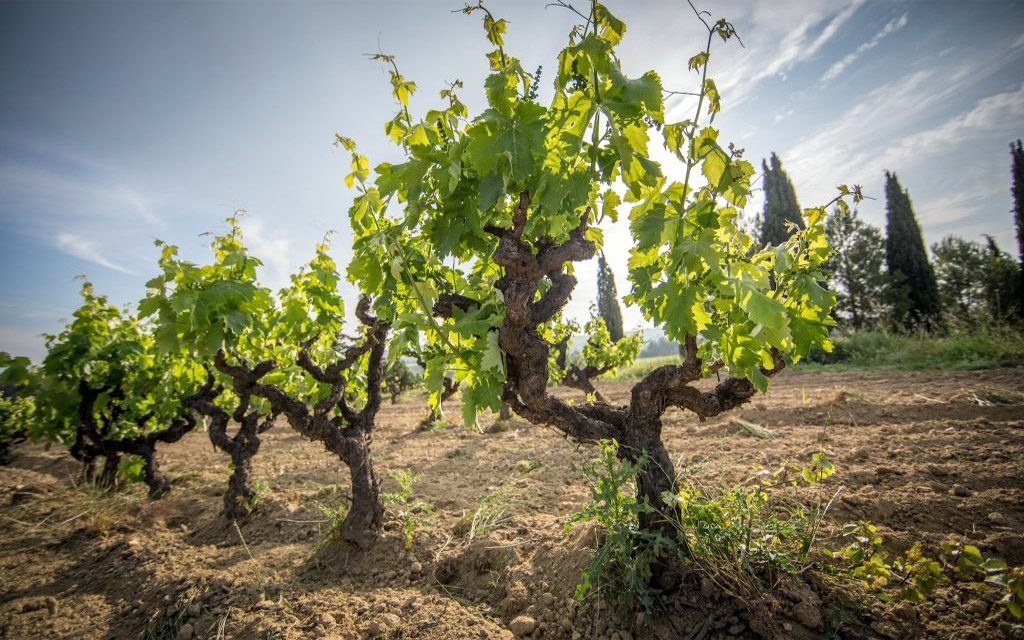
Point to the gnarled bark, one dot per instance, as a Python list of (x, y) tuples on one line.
[(93, 442), (343, 430), (243, 445)]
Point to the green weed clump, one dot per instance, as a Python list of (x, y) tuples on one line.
[(735, 537), (915, 575), (408, 511), (626, 554), (743, 537), (330, 527)]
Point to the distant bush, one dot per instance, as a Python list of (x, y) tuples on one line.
[(980, 349), (660, 347)]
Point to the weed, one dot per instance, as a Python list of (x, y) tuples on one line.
[(492, 512), (988, 398), (255, 565), (82, 508), (979, 349), (640, 368), (914, 575), (334, 516), (260, 488), (735, 537), (167, 625), (407, 511), (738, 536), (526, 466), (625, 553), (435, 426), (755, 430)]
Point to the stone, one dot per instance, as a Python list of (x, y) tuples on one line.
[(707, 588), (906, 612), (977, 607), (808, 612), (522, 626), (327, 620), (184, 633)]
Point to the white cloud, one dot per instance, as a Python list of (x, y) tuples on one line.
[(275, 250), (58, 195), (837, 69), (86, 249), (987, 114), (954, 207), (738, 71), (796, 48), (871, 136), (19, 341)]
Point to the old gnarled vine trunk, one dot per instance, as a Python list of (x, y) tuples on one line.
[(92, 441), (342, 430), (637, 427), (240, 498)]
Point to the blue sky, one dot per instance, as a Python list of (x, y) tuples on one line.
[(122, 122)]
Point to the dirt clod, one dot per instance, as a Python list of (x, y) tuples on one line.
[(522, 626), (184, 633)]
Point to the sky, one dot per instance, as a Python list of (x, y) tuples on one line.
[(123, 122)]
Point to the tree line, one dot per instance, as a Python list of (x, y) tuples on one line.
[(887, 280)]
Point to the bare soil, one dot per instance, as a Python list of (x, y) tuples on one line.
[(929, 456)]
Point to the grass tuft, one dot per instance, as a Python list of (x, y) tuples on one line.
[(490, 513)]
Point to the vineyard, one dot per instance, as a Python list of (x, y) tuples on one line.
[(439, 461)]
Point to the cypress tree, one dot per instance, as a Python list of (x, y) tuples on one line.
[(780, 205), (1017, 153), (913, 282), (608, 300)]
